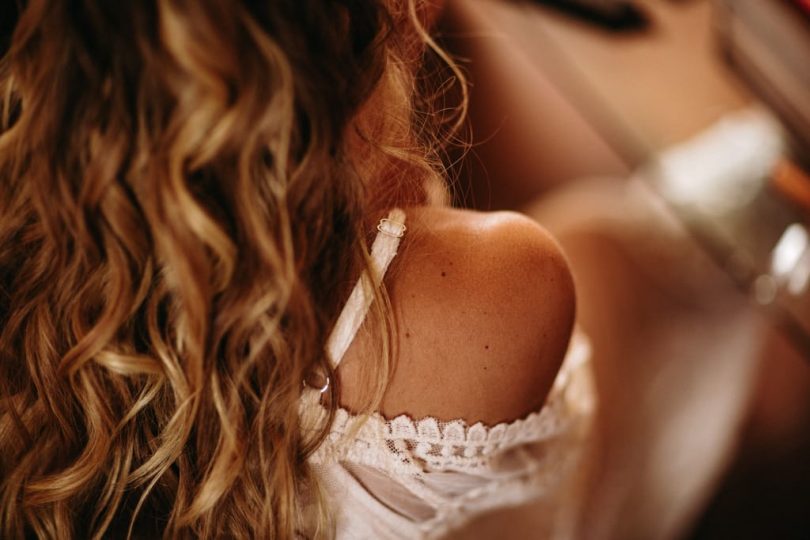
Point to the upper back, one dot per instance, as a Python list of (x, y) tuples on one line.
[(483, 308)]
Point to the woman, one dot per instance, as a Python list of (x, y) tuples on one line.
[(189, 190)]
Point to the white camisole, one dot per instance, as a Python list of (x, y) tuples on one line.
[(422, 478)]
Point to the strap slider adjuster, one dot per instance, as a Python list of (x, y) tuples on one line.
[(391, 228)]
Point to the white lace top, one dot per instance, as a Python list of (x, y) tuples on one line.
[(409, 478)]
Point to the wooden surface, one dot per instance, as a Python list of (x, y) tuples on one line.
[(643, 89), (554, 98)]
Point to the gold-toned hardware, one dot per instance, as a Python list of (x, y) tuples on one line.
[(391, 228)]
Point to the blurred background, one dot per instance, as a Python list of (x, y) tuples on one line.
[(665, 143)]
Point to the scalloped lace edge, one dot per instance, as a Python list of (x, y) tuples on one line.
[(535, 426)]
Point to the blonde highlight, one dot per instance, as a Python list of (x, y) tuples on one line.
[(182, 210)]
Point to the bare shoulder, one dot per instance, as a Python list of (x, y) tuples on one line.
[(484, 305)]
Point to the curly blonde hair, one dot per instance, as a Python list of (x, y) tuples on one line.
[(185, 190)]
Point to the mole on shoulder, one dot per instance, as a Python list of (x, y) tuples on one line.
[(443, 274), (486, 347), (407, 334)]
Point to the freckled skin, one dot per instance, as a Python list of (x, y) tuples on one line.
[(486, 345)]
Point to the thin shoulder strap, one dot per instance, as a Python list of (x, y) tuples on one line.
[(383, 250)]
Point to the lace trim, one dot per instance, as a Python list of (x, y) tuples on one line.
[(418, 444), (535, 425), (405, 444)]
